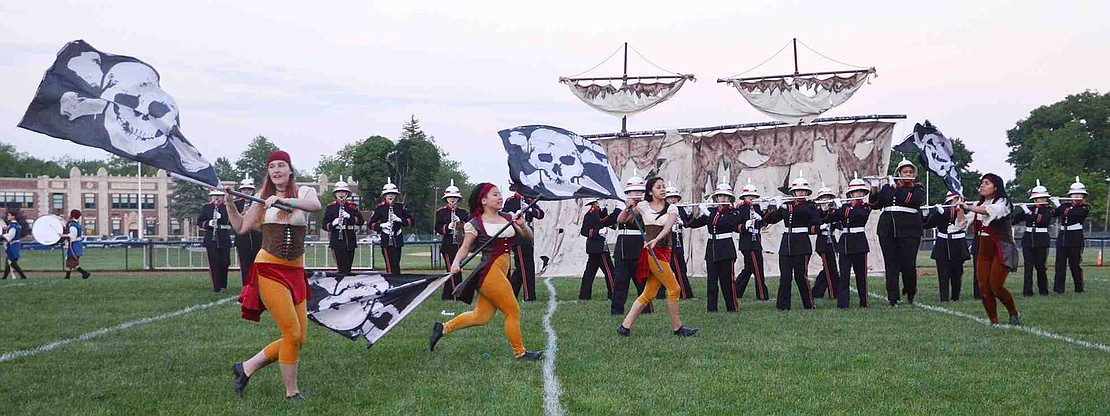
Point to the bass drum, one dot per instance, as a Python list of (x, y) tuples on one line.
[(48, 229)]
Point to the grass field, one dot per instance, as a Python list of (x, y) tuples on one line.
[(908, 360)]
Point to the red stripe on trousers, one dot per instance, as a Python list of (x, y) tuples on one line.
[(758, 276), (828, 276), (523, 272)]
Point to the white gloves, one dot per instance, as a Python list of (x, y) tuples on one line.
[(890, 179), (824, 227), (776, 202), (838, 203), (603, 232), (212, 223), (940, 209), (394, 218), (337, 221), (749, 225), (1025, 209), (703, 209), (1055, 201)]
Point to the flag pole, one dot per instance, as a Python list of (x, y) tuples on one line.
[(280, 206), (140, 206), (643, 235)]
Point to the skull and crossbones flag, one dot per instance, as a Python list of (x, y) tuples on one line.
[(115, 103), (366, 305), (552, 164), (935, 152)]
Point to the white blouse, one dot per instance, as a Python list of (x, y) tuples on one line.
[(651, 216), (297, 217), (491, 229), (995, 209)]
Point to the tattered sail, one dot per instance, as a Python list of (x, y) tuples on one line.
[(799, 99), (627, 99)]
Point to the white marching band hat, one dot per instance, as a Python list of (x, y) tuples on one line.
[(905, 162), (749, 190), (246, 183), (1039, 191), (800, 184), (591, 201), (950, 196), (635, 183), (672, 191), (723, 189), (857, 184), (825, 190), (341, 185), (389, 187), (1077, 187), (452, 191)]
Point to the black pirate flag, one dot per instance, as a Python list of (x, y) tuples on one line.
[(366, 305), (551, 163), (935, 152)]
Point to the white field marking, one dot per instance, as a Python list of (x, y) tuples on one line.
[(551, 389), (13, 285), (1027, 329), (87, 336)]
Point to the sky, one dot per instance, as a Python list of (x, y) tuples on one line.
[(313, 77)]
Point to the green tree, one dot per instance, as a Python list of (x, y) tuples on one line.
[(225, 171), (186, 200), (253, 160), (370, 167), (937, 190), (120, 166), (1057, 142), (339, 164), (417, 163)]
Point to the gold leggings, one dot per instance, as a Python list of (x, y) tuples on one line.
[(495, 294), (292, 321), (658, 278)]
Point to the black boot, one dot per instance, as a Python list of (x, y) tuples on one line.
[(68, 272), (241, 378), (7, 271), (84, 274), (437, 333), (17, 270)]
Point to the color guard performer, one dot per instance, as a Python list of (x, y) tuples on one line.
[(853, 244), (388, 219), (626, 252), (720, 252), (1037, 216), (950, 249), (998, 255), (213, 222), (678, 255), (524, 250), (449, 219), (341, 219), (900, 229), (750, 243), (13, 232), (825, 246), (246, 244), (595, 225), (800, 218), (1069, 242)]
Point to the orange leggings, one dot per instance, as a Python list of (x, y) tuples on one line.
[(291, 319), (992, 279), (658, 278), (495, 294)]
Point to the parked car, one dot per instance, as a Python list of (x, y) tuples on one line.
[(372, 238), (94, 242)]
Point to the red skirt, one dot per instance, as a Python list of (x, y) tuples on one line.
[(642, 267), (292, 277)]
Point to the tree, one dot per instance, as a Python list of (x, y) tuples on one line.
[(186, 200), (339, 164), (417, 163), (1059, 141), (253, 160), (937, 190), (370, 167), (225, 171)]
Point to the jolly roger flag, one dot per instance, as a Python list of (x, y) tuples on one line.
[(366, 305), (935, 152), (115, 103), (552, 164)]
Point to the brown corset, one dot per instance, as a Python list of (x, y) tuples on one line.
[(284, 240), (653, 231)]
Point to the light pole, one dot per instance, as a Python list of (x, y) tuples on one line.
[(1106, 216)]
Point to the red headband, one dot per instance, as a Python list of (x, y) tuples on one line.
[(278, 155), (483, 190)]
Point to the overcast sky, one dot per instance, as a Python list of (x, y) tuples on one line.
[(314, 76)]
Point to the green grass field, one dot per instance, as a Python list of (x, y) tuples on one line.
[(880, 360)]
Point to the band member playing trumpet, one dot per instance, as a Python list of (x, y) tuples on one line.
[(341, 218), (678, 255), (388, 219), (1037, 216), (449, 220), (853, 246), (720, 252), (900, 228), (950, 250), (1069, 243), (800, 218), (595, 225), (750, 242)]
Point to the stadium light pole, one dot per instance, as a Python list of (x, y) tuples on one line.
[(1106, 215)]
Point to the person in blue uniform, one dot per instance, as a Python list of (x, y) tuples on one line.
[(825, 246), (75, 244), (388, 219), (12, 233), (215, 225)]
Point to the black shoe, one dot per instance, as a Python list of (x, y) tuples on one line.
[(241, 378), (296, 397), (1015, 320), (530, 355), (67, 275), (624, 332), (85, 275), (685, 331), (437, 333)]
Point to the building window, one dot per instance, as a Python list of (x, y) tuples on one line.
[(58, 202), (148, 201), (17, 200), (175, 226), (90, 201), (117, 225), (125, 201), (151, 226), (90, 226)]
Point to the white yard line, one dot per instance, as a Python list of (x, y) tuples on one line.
[(551, 389), (87, 336)]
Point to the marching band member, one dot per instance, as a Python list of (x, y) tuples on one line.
[(825, 247), (626, 252), (448, 220), (75, 245), (1034, 241), (658, 217), (750, 244), (678, 257), (13, 232), (853, 244), (900, 228), (594, 227), (248, 244), (277, 280), (491, 278), (800, 218), (997, 251), (388, 219), (720, 252), (950, 248), (341, 218), (1069, 242), (524, 250), (213, 222)]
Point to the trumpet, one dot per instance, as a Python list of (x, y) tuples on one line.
[(858, 198), (879, 178), (703, 203)]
